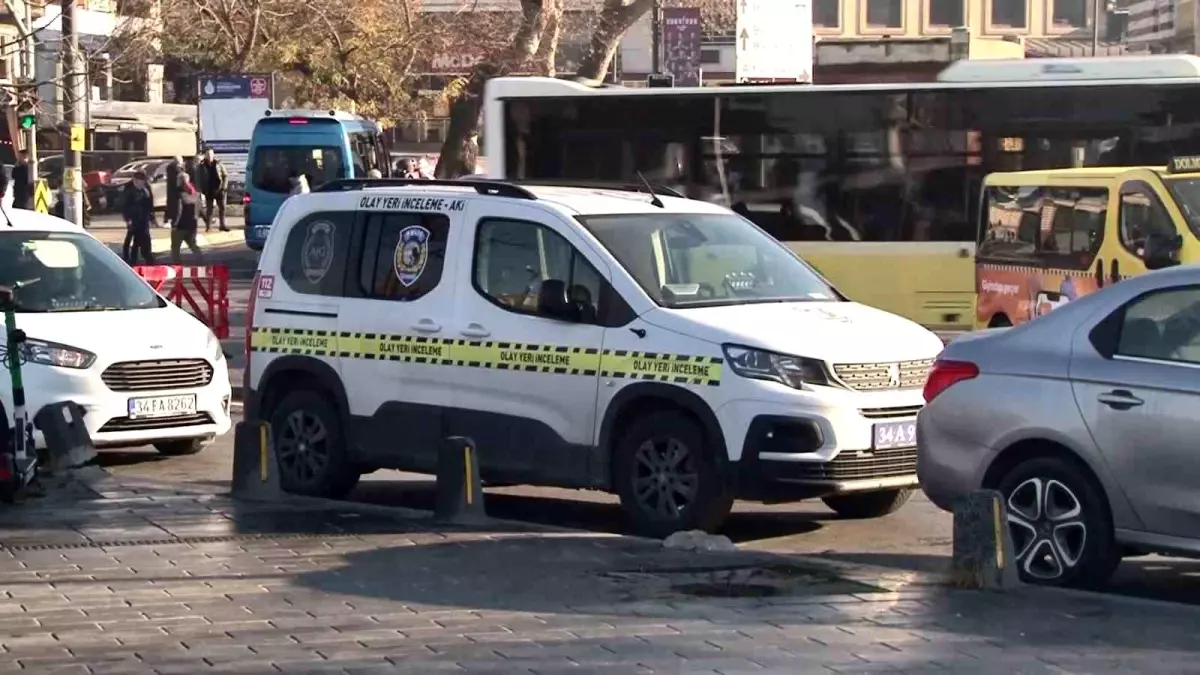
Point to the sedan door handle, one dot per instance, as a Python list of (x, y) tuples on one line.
[(474, 330), (426, 326), (1120, 399)]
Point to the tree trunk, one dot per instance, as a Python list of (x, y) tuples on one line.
[(616, 18), (548, 49), (461, 148)]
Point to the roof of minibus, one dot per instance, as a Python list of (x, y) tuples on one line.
[(1092, 172)]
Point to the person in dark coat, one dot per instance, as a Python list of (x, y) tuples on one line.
[(214, 184), (22, 183), (174, 171), (138, 209), (184, 231)]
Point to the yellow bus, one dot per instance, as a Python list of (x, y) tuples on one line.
[(877, 186)]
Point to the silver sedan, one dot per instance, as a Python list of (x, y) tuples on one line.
[(1085, 419)]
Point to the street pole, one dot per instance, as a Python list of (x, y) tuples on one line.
[(29, 75), (656, 37), (72, 110), (1096, 27)]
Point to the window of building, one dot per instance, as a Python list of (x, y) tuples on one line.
[(1072, 13), (710, 57), (827, 13), (403, 255), (314, 257), (1164, 325), (946, 13), (1076, 226), (513, 258), (1010, 13), (885, 13)]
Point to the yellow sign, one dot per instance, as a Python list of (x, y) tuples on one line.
[(1184, 165), (78, 137), (41, 197)]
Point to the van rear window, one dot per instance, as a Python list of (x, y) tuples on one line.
[(274, 164)]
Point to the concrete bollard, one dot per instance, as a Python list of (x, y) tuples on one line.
[(68, 443), (459, 489), (983, 548), (255, 468)]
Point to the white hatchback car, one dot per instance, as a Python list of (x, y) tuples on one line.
[(145, 371)]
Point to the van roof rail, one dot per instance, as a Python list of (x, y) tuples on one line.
[(494, 188), (660, 190)]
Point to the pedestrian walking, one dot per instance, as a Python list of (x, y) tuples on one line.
[(214, 184), (175, 172), (22, 183), (138, 209), (299, 183), (184, 230)]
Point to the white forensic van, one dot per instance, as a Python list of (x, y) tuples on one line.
[(660, 348)]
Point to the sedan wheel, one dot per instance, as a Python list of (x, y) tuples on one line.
[(1060, 525)]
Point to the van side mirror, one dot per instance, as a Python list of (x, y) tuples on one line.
[(553, 302), (1162, 252)]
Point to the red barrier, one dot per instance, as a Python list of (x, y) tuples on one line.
[(201, 290)]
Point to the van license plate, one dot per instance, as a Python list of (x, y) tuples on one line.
[(895, 435), (162, 406)]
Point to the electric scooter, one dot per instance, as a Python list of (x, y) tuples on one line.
[(18, 462)]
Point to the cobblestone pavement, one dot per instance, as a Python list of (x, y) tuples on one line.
[(131, 577)]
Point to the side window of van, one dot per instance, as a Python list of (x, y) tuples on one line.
[(1073, 226), (513, 258), (403, 255), (314, 255), (1142, 216), (1011, 224)]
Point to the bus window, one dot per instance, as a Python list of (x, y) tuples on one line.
[(273, 165)]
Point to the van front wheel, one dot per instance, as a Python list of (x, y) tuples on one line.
[(667, 477)]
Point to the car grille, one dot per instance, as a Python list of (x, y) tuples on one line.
[(851, 465), (878, 376), (126, 424), (890, 413), (158, 375)]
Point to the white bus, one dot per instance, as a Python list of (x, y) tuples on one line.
[(876, 185)]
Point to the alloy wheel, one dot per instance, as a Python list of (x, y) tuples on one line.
[(302, 447), (666, 478), (1046, 521)]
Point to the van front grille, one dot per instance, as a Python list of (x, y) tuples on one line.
[(883, 376), (158, 375)]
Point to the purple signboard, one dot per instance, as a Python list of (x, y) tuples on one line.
[(681, 44)]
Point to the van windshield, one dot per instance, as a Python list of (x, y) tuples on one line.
[(1186, 193), (274, 164), (68, 272), (697, 260)]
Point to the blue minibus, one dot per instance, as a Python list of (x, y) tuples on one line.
[(323, 145)]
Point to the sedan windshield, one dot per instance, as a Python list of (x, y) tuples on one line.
[(68, 272), (693, 260), (1186, 192)]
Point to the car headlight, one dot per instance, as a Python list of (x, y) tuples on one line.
[(758, 364), (46, 353), (214, 348)]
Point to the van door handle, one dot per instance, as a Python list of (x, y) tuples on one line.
[(1120, 399), (474, 330), (426, 326)]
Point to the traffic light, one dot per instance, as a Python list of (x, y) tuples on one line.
[(27, 120), (26, 108)]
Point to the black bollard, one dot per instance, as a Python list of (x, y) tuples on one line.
[(255, 469), (459, 490), (983, 547), (68, 443)]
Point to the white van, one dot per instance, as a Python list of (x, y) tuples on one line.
[(660, 348), (145, 371)]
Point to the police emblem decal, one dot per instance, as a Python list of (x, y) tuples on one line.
[(894, 376), (317, 252), (412, 252)]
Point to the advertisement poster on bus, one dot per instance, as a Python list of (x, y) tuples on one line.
[(230, 105), (681, 44), (1018, 293)]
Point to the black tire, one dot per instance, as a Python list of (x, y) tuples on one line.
[(182, 447), (1000, 321), (864, 505), (653, 436), (1099, 554), (317, 468)]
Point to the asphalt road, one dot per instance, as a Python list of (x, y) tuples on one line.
[(917, 537)]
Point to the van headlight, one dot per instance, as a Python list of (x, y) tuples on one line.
[(215, 351), (758, 364), (46, 353)]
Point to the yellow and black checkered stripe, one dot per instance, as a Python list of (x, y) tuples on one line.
[(516, 356)]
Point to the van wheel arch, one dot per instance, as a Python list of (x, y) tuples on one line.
[(288, 373), (643, 399), (1000, 320)]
